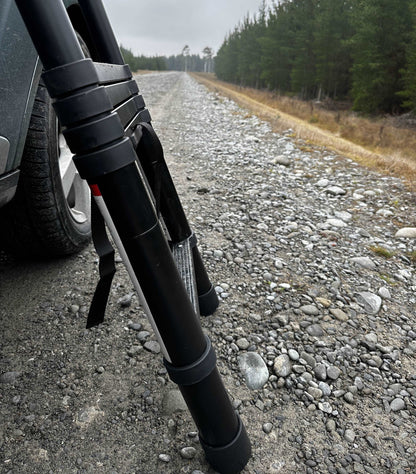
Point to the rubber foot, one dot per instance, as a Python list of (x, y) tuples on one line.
[(231, 458), (208, 302)]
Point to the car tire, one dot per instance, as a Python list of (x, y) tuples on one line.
[(50, 213)]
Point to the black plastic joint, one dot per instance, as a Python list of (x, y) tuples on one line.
[(65, 79), (94, 134), (195, 372), (82, 105), (94, 165), (231, 458)]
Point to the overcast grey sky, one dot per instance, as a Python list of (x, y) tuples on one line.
[(164, 27)]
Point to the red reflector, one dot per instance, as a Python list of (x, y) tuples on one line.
[(95, 190)]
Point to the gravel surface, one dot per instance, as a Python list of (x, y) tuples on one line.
[(315, 335)]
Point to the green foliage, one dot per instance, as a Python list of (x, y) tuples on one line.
[(155, 63), (409, 71), (332, 54), (180, 62), (359, 49), (378, 52)]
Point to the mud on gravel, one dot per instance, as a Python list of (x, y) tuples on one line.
[(314, 282)]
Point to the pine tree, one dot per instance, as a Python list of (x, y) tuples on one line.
[(378, 51), (302, 13), (409, 73), (331, 34), (276, 60), (226, 60)]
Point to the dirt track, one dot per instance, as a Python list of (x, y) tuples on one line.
[(290, 235)]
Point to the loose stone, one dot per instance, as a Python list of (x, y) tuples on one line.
[(384, 293), (188, 452), (293, 354), (397, 404), (407, 232), (349, 397), (324, 302), (281, 160), (254, 370), (242, 343), (335, 191), (320, 371), (315, 330), (371, 442), (125, 301), (333, 372), (336, 223), (370, 302), (325, 388), (308, 358), (267, 428), (315, 392), (152, 346), (349, 435), (134, 326), (364, 262), (339, 314), (331, 425), (164, 457), (325, 407), (310, 310), (322, 183), (282, 366)]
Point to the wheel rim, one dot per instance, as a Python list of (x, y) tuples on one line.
[(75, 189)]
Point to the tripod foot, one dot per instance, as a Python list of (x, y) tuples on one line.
[(231, 458), (208, 302)]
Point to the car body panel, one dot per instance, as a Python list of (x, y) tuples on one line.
[(4, 153), (18, 61), (20, 71)]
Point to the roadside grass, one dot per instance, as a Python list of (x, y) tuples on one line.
[(381, 251), (386, 144)]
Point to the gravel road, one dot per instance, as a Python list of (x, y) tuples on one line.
[(315, 335)]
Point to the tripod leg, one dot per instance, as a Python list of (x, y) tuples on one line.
[(107, 159), (151, 157)]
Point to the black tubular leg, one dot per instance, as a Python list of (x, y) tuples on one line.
[(173, 213), (207, 296), (109, 161), (45, 20), (101, 32)]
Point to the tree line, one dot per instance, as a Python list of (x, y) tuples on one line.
[(185, 61), (363, 50)]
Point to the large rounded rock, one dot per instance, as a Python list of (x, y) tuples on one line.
[(254, 369), (406, 232)]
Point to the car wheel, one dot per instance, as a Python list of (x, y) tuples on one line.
[(50, 214)]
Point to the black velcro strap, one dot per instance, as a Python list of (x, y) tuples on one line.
[(107, 267), (193, 373)]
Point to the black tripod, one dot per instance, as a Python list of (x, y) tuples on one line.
[(107, 127)]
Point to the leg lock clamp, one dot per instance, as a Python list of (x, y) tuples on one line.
[(92, 166), (195, 372), (65, 79)]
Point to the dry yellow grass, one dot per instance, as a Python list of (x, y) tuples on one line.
[(373, 143)]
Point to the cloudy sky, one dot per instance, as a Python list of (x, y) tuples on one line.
[(164, 27)]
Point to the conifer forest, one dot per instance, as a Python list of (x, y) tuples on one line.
[(360, 50)]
